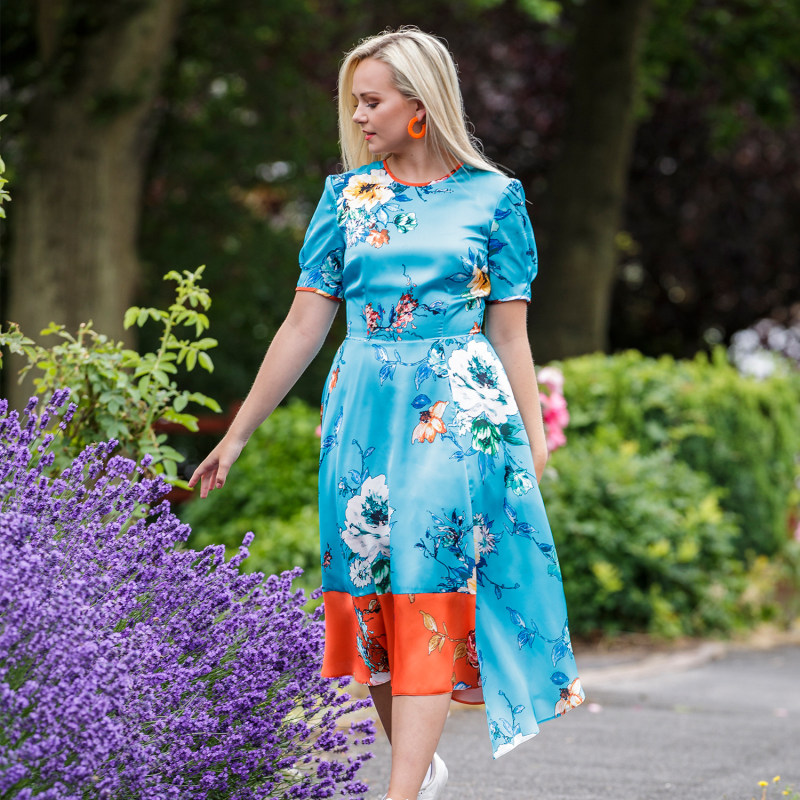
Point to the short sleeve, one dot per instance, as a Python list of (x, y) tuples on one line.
[(322, 254), (512, 248)]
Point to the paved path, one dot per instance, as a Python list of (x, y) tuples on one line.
[(707, 724)]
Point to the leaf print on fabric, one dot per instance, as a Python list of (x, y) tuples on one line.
[(332, 439), (526, 636), (446, 543), (506, 729), (464, 647), (327, 277), (475, 273), (519, 481)]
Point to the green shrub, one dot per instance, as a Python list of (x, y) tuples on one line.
[(643, 542), (119, 393), (742, 432), (272, 491)]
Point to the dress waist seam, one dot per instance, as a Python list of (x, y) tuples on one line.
[(410, 340)]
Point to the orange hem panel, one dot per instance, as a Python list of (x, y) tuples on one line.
[(426, 642), (317, 291)]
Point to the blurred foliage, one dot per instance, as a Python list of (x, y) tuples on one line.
[(644, 543), (743, 433), (670, 503), (119, 393), (247, 131), (271, 491)]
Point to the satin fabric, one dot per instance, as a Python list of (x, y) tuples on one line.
[(439, 568)]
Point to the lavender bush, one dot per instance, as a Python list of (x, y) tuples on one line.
[(133, 668)]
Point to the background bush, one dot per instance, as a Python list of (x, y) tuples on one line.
[(742, 432), (643, 542), (670, 504), (271, 491)]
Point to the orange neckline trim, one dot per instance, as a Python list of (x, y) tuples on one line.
[(426, 183)]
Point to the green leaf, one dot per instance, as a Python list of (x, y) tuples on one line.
[(131, 315), (205, 361)]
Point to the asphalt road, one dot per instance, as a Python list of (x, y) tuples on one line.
[(701, 725)]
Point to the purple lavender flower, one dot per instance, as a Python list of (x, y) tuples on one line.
[(131, 667)]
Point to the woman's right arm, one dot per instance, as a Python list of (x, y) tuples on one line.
[(297, 341)]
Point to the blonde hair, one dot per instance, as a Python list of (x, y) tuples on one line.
[(422, 69)]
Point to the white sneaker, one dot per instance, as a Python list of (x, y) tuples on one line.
[(433, 788)]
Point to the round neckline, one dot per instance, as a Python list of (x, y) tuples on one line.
[(425, 183)]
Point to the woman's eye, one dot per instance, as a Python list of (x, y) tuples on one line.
[(371, 105)]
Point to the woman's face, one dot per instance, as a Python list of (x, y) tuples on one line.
[(381, 111)]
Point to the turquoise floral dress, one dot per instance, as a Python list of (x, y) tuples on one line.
[(439, 569)]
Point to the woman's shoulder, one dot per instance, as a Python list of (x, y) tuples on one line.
[(492, 184)]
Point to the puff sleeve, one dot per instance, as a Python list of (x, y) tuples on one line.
[(512, 248), (322, 254)]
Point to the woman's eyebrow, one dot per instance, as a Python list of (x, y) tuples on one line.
[(364, 94)]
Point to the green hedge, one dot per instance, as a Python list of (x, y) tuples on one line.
[(673, 476), (272, 491), (643, 542), (742, 432)]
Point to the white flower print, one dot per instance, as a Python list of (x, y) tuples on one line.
[(367, 191), (361, 572), (479, 385), (483, 537), (367, 520)]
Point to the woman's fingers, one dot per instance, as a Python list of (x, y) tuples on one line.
[(213, 471)]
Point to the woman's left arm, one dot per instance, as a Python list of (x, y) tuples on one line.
[(507, 331)]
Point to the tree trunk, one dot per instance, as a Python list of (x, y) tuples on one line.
[(586, 191), (87, 140)]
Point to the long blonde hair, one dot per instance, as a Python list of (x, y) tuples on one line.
[(422, 69)]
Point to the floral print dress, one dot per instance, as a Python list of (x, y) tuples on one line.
[(439, 569)]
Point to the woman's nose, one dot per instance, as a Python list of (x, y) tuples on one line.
[(358, 115)]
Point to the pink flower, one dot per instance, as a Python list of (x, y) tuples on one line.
[(472, 650), (554, 407), (552, 379), (373, 318), (404, 311)]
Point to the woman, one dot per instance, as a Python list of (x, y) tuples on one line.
[(440, 576)]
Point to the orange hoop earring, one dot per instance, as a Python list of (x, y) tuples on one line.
[(412, 132)]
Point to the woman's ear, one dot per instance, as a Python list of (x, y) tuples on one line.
[(420, 111)]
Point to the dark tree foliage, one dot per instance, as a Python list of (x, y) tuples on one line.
[(716, 241), (247, 130)]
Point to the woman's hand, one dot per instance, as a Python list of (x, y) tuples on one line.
[(213, 471)]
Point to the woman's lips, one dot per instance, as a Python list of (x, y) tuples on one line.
[(368, 135)]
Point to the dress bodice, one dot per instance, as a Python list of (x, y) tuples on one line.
[(418, 261)]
